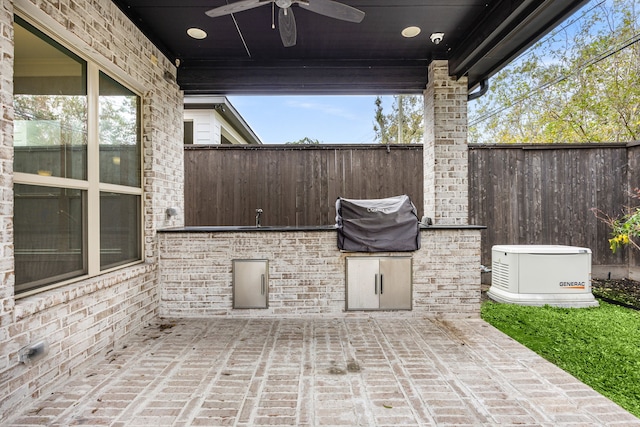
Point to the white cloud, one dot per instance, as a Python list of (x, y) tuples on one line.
[(329, 108)]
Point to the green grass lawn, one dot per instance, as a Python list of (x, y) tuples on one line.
[(599, 345)]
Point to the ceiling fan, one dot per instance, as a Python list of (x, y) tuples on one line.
[(286, 20)]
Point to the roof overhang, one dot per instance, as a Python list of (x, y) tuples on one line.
[(243, 55)]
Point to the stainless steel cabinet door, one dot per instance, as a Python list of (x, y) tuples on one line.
[(250, 283), (395, 283), (362, 284), (379, 283)]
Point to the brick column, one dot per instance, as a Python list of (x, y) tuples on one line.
[(446, 188)]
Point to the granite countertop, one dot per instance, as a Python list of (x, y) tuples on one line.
[(270, 228)]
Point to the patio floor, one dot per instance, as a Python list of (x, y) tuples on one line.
[(321, 372)]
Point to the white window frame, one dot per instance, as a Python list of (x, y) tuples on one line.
[(95, 64)]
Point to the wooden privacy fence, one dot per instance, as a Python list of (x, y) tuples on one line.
[(294, 185), (544, 194), (540, 194)]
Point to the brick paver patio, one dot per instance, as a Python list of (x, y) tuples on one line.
[(322, 372)]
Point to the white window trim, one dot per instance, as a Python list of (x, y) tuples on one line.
[(93, 173), (96, 63), (49, 181)]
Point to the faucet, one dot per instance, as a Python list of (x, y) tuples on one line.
[(258, 213)]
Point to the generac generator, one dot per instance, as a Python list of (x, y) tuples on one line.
[(541, 275)]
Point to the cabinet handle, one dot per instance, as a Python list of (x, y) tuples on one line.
[(375, 285), (262, 283), (381, 291)]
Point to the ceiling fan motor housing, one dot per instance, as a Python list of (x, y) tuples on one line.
[(283, 3)]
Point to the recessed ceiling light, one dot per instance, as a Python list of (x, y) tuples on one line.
[(197, 33), (411, 32)]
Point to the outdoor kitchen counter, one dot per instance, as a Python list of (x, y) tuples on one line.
[(235, 228), (307, 271)]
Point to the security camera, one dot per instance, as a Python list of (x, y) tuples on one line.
[(436, 38)]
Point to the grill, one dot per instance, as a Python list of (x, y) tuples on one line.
[(377, 225)]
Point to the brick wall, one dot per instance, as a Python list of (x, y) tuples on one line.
[(87, 318), (307, 273), (6, 187), (446, 184)]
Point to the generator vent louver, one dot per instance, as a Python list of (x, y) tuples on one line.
[(500, 275)]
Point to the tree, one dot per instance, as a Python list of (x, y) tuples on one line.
[(306, 140), (582, 84), (118, 120), (52, 119), (406, 109)]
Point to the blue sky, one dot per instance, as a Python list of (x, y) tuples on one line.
[(329, 119)]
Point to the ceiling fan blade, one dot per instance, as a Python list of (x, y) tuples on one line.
[(287, 27), (238, 6), (333, 9)]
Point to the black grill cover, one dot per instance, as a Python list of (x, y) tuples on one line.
[(377, 225)]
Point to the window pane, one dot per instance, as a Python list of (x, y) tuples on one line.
[(119, 229), (119, 134), (49, 235), (188, 132), (50, 98)]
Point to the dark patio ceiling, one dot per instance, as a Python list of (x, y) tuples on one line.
[(337, 57)]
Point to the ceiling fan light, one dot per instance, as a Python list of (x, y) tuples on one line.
[(283, 4), (197, 33), (410, 32)]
